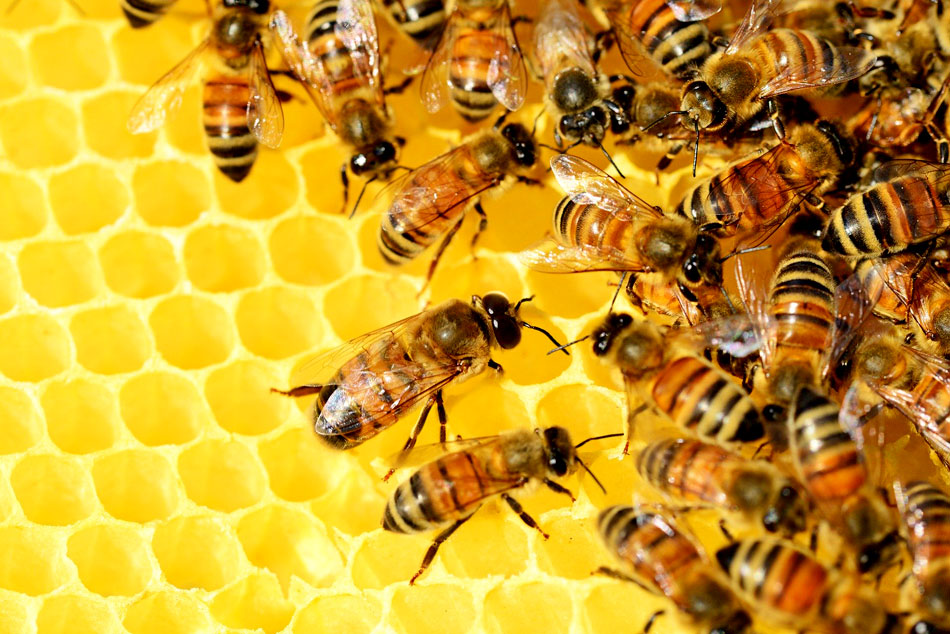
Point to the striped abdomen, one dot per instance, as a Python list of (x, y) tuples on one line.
[(421, 20), (926, 512), (676, 46), (323, 42), (796, 54), (891, 280), (141, 13), (472, 51), (698, 397), (225, 120), (580, 224), (688, 469), (775, 576), (889, 217), (828, 458)]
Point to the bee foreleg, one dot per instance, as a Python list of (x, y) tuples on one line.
[(300, 390), (434, 547), (774, 114), (443, 419), (557, 488), (527, 519), (441, 250), (630, 419), (652, 619), (494, 365), (620, 576), (671, 154), (482, 224), (345, 179), (414, 435)]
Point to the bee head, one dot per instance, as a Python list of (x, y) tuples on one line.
[(787, 512), (703, 107), (559, 451), (522, 143), (589, 126), (503, 319), (373, 159), (573, 90), (704, 264), (605, 334), (236, 30)]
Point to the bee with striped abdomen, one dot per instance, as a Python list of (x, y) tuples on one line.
[(662, 560), (421, 20), (241, 107), (142, 13), (790, 587), (694, 471), (477, 62), (830, 464), (925, 510), (369, 383), (430, 202), (446, 492)]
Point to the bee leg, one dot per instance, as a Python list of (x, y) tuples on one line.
[(482, 225), (557, 488), (443, 419), (300, 390), (813, 539), (345, 179), (630, 418), (652, 619), (434, 547), (774, 114), (527, 519), (494, 365), (399, 88), (529, 181), (664, 162), (621, 576), (413, 437), (725, 531)]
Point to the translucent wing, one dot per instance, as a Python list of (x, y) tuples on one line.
[(734, 335), (632, 48), (165, 95), (561, 40), (694, 10), (265, 117), (422, 454), (813, 72), (590, 185), (853, 305), (435, 76), (356, 28), (902, 168), (858, 409), (507, 75), (754, 301), (550, 256), (755, 22)]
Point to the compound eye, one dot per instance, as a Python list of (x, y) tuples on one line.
[(359, 163), (558, 465), (691, 271), (385, 151), (507, 331), (495, 304)]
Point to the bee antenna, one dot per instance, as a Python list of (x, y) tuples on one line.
[(613, 301), (725, 294), (587, 469), (743, 251), (604, 150), (500, 120), (548, 335), (584, 442), (536, 119), (696, 147), (664, 118), (568, 345), (521, 301), (362, 191)]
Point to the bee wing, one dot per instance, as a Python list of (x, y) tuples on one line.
[(165, 95), (590, 185), (811, 72), (756, 21), (734, 335), (356, 28), (853, 306), (561, 40), (900, 168), (856, 414), (754, 301), (435, 76), (694, 10), (550, 256), (507, 75), (632, 47), (422, 454), (308, 69), (265, 117)]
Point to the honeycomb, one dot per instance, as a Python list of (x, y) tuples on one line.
[(150, 483)]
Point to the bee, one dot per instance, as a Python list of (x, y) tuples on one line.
[(911, 206), (446, 492), (142, 13), (681, 387), (575, 91), (339, 68), (897, 117), (664, 561), (430, 202), (925, 511), (695, 471), (477, 62), (760, 64), (830, 464), (421, 20), (602, 226), (241, 107), (790, 587), (757, 193), (368, 384)]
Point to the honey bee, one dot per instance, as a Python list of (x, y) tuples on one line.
[(576, 92), (898, 116), (830, 464), (694, 471), (369, 383), (446, 492), (911, 206), (421, 20), (760, 64), (664, 561), (788, 586), (602, 226), (925, 510), (339, 68), (431, 201), (241, 107), (477, 62), (757, 193), (142, 13)]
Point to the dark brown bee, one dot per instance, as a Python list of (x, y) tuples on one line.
[(788, 586), (369, 383), (241, 107), (926, 515), (142, 13), (662, 560), (694, 471), (477, 62), (446, 492)]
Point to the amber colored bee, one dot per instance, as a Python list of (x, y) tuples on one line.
[(897, 116), (925, 510), (339, 67), (477, 62), (422, 20), (603, 226), (446, 492), (431, 201), (681, 387), (241, 107), (370, 382), (910, 207), (694, 471), (758, 65), (831, 466), (757, 193), (662, 560), (142, 13), (788, 586)]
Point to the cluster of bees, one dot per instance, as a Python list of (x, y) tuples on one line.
[(834, 121)]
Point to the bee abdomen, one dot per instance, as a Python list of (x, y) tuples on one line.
[(225, 121), (468, 73), (420, 19), (674, 45), (142, 13), (686, 468)]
